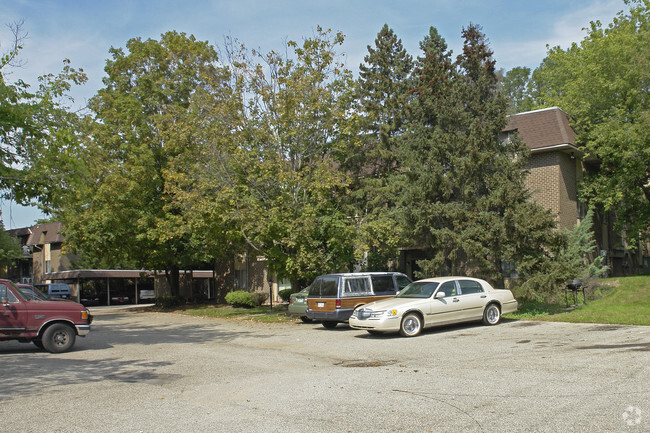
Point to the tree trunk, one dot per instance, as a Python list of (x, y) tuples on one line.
[(173, 280)]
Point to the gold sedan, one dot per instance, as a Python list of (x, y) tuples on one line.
[(435, 301)]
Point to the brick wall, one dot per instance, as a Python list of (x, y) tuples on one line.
[(552, 182), (568, 216)]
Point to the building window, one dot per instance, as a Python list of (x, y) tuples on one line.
[(582, 210), (48, 266), (241, 279)]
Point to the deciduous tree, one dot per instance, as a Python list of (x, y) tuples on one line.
[(282, 176), (515, 84), (38, 131), (602, 82), (125, 210)]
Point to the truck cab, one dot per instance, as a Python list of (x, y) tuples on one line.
[(50, 325)]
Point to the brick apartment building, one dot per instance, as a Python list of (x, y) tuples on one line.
[(556, 168), (555, 165)]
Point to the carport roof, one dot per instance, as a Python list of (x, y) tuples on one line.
[(115, 273)]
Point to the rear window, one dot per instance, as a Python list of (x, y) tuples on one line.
[(324, 286), (59, 288)]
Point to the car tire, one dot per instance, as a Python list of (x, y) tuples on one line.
[(329, 324), (305, 319), (58, 338), (492, 314), (411, 325)]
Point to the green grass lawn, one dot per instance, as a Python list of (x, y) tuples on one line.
[(626, 301), (258, 314)]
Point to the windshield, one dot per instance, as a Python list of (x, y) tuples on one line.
[(418, 290), (31, 294)]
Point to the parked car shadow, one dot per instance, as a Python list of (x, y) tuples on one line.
[(27, 369), (439, 330)]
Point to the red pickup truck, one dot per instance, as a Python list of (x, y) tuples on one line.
[(50, 325)]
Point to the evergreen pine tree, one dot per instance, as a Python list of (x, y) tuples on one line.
[(465, 201), (383, 88)]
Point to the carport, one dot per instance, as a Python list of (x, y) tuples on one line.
[(113, 279), (137, 285)]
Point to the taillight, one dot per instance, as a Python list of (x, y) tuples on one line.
[(291, 300), (338, 303)]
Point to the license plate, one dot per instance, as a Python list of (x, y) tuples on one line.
[(301, 301), (320, 304)]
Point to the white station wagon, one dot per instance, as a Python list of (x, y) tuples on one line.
[(435, 301)]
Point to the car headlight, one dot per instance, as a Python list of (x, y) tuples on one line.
[(383, 313)]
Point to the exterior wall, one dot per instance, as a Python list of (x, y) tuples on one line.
[(38, 262), (543, 180), (552, 181), (58, 261), (257, 275), (568, 215), (189, 288)]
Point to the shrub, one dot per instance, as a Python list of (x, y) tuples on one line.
[(285, 294), (572, 258), (200, 298), (258, 298), (168, 301), (240, 298)]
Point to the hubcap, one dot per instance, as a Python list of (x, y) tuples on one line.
[(411, 325), (493, 314), (60, 338)]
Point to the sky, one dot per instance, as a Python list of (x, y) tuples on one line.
[(83, 31)]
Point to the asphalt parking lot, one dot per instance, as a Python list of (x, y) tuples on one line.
[(150, 372)]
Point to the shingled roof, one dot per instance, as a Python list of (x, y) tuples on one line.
[(45, 234), (545, 128)]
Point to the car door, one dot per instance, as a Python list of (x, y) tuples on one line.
[(446, 309), (13, 314), (472, 299)]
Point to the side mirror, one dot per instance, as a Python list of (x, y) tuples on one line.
[(440, 295)]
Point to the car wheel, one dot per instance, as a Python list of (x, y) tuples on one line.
[(58, 338), (411, 325), (492, 314), (305, 319), (330, 325)]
